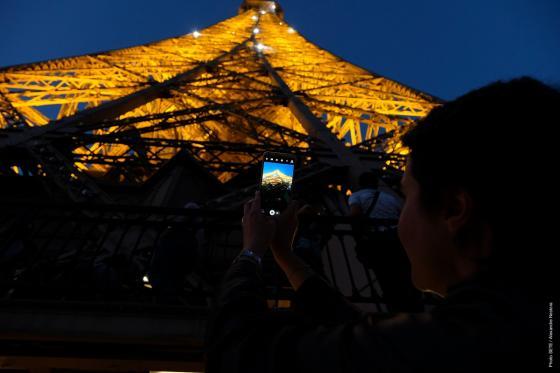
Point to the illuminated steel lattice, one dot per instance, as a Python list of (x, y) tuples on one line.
[(246, 81)]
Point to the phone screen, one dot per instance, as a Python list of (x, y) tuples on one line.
[(276, 182)]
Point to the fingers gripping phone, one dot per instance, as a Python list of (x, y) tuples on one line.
[(276, 182)]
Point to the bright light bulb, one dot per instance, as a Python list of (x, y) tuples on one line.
[(196, 34), (145, 279), (273, 6), (256, 30), (291, 30), (254, 18), (261, 47), (262, 12)]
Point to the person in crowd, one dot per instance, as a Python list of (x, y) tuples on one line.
[(174, 258), (378, 246), (371, 201)]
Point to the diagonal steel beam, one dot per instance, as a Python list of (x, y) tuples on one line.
[(9, 114), (119, 106), (314, 126)]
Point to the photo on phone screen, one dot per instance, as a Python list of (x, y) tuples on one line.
[(276, 182)]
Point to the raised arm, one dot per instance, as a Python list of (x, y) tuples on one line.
[(314, 297)]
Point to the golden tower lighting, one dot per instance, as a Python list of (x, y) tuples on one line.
[(249, 80)]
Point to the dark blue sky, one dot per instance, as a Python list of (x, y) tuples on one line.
[(442, 47), (286, 169)]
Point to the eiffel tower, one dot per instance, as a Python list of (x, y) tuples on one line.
[(216, 97), (131, 136)]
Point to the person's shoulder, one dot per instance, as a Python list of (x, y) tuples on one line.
[(353, 198), (357, 195), (390, 196), (364, 192), (360, 195)]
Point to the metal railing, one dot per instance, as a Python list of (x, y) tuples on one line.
[(144, 255)]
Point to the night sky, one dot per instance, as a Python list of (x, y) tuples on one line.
[(286, 169), (442, 47)]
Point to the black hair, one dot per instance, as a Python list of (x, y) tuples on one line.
[(369, 179), (494, 142)]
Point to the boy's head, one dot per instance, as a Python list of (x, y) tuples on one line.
[(474, 183), (369, 179)]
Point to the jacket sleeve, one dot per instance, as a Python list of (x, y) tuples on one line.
[(239, 306), (318, 300)]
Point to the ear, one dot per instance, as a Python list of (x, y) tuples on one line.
[(458, 210)]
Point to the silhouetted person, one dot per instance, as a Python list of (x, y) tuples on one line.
[(474, 232), (378, 246), (311, 238), (174, 258), (110, 275)]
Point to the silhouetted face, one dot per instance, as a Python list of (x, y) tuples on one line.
[(425, 238)]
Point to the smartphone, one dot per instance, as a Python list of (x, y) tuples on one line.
[(276, 182)]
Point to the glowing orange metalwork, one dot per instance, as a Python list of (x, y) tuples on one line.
[(352, 102)]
